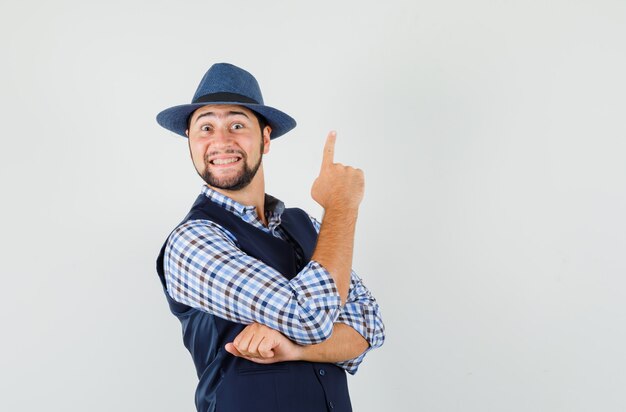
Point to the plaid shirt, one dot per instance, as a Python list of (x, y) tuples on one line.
[(205, 269)]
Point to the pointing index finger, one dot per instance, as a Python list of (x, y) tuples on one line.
[(329, 149)]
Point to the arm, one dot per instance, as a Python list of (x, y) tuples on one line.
[(205, 269), (261, 344), (344, 344), (361, 313), (358, 329), (339, 190)]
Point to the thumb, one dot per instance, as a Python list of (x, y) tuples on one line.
[(230, 348)]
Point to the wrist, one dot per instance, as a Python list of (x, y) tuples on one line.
[(342, 210), (302, 352)]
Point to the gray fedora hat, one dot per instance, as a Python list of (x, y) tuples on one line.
[(225, 83)]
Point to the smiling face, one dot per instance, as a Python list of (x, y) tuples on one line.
[(227, 145)]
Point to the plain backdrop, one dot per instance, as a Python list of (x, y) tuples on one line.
[(493, 229)]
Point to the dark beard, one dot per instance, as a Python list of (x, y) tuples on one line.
[(237, 182)]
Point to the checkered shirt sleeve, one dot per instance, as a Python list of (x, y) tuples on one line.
[(206, 270), (361, 312)]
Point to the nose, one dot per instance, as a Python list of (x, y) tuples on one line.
[(221, 138)]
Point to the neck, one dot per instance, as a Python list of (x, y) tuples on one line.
[(251, 195)]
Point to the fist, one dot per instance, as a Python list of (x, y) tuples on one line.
[(337, 185), (261, 344)]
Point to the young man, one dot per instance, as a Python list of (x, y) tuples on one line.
[(271, 311)]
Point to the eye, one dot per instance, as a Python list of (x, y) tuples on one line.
[(205, 128), (237, 126)]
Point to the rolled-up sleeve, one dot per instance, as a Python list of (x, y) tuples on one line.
[(362, 313), (205, 269)]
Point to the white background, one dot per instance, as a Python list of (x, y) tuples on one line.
[(492, 232)]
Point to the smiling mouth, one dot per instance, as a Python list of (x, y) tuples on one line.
[(225, 161)]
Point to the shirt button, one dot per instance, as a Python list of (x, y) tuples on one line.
[(331, 405), (322, 372)]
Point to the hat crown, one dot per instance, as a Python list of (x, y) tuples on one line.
[(227, 78), (226, 84)]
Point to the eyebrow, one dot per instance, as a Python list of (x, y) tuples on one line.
[(231, 113)]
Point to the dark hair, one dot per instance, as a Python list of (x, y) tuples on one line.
[(262, 121)]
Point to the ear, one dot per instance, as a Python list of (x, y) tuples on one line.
[(187, 132), (266, 139)]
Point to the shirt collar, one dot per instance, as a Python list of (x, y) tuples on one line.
[(273, 207)]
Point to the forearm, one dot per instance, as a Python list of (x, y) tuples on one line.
[(345, 348), (335, 246), (345, 343)]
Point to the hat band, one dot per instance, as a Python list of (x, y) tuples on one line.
[(224, 97)]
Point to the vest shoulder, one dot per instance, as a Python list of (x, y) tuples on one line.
[(296, 212), (300, 216)]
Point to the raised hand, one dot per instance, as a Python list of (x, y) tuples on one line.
[(337, 185)]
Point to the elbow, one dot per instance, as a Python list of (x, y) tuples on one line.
[(315, 321), (314, 331)]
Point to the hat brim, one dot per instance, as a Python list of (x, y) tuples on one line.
[(175, 118)]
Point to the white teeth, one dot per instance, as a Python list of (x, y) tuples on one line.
[(225, 161)]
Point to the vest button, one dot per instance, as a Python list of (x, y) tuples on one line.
[(322, 372), (331, 405)]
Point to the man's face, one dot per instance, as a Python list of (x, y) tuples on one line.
[(227, 145)]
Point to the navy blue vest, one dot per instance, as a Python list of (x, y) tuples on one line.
[(228, 383)]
